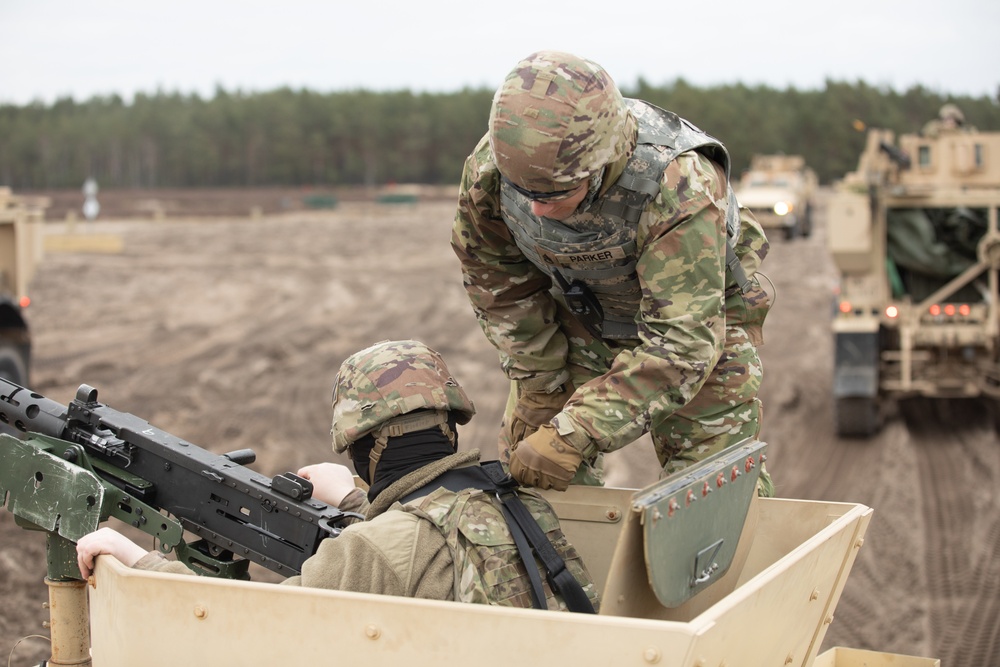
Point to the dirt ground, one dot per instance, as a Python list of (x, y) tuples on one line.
[(228, 332)]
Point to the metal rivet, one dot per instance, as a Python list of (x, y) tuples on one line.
[(372, 632), (651, 655), (200, 613), (857, 545), (814, 595), (789, 659)]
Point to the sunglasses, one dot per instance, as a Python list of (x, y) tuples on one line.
[(542, 196)]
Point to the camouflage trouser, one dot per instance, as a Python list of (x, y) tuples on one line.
[(725, 411)]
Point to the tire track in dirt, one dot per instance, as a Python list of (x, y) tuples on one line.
[(878, 609), (963, 521)]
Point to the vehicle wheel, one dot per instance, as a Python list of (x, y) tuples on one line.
[(807, 223), (791, 232), (13, 365), (993, 410), (857, 416)]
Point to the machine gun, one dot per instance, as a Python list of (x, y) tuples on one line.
[(901, 159), (75, 466)]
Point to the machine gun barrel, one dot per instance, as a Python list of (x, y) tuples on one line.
[(901, 159), (238, 514)]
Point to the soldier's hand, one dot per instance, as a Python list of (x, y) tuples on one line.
[(545, 460), (534, 409), (106, 541), (331, 481)]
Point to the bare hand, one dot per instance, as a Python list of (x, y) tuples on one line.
[(331, 481), (106, 541)]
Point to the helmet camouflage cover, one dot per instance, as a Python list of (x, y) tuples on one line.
[(556, 120), (951, 112), (390, 379)]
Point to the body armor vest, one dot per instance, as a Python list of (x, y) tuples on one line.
[(591, 256), (488, 567)]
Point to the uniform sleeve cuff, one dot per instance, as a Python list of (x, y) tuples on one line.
[(575, 435), (545, 383), (355, 501), (149, 561)]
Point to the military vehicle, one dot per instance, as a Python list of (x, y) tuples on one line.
[(696, 570), (780, 191), (20, 251), (913, 233)]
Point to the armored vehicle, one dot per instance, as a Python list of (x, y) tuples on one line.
[(913, 233), (780, 191), (695, 570), (20, 250)]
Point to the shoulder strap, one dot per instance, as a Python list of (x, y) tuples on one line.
[(561, 579), (492, 478)]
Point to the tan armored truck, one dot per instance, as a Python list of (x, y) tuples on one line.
[(913, 233), (696, 571), (20, 251), (780, 191)]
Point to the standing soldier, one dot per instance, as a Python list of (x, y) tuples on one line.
[(609, 262), (950, 119)]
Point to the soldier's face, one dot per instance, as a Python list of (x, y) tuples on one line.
[(562, 208)]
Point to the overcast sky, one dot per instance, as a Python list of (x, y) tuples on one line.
[(59, 48)]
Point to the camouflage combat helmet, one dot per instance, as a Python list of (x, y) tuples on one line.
[(377, 387), (951, 112), (556, 120)]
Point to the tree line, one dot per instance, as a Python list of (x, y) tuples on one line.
[(289, 137)]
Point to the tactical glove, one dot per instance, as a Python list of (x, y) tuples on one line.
[(534, 409), (545, 460)]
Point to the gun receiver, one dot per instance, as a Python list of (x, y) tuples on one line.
[(238, 515)]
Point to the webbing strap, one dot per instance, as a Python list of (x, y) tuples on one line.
[(561, 579), (491, 477), (735, 268), (524, 551)]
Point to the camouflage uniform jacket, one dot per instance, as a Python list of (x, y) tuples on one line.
[(444, 545), (660, 268)]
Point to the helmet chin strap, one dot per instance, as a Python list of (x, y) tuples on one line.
[(415, 421), (593, 189)]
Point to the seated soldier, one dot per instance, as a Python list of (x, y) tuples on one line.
[(438, 524)]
